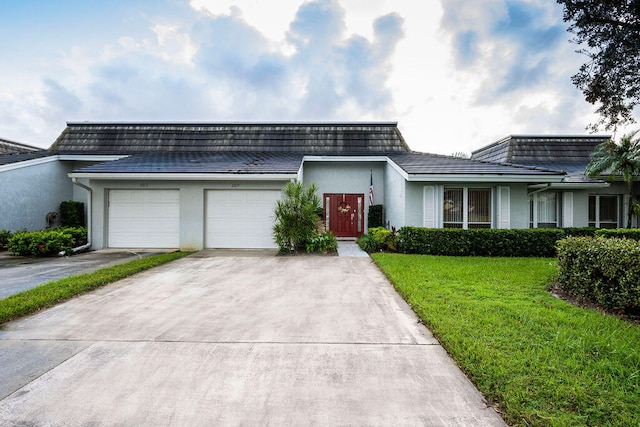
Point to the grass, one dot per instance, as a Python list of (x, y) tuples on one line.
[(52, 293), (541, 361)]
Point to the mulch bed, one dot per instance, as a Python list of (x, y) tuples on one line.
[(632, 317)]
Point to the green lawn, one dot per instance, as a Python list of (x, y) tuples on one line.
[(57, 291), (539, 360)]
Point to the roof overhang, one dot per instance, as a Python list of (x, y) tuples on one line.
[(484, 178), (92, 157), (26, 163), (186, 176), (475, 177), (56, 157), (570, 186), (381, 158)]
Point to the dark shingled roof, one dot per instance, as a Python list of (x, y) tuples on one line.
[(16, 158), (191, 162), (307, 138), (11, 147), (423, 163), (255, 148), (538, 150), (14, 152), (568, 154)]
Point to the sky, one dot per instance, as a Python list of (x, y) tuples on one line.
[(456, 75)]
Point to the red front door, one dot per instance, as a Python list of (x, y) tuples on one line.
[(344, 214)]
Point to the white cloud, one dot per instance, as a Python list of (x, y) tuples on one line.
[(456, 75), (270, 18), (220, 67)]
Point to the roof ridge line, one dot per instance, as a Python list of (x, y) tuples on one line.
[(235, 123)]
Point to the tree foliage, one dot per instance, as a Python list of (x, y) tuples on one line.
[(608, 33), (616, 160)]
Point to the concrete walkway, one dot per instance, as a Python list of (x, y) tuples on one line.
[(349, 248), (235, 340)]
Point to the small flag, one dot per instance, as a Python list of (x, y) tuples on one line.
[(371, 190)]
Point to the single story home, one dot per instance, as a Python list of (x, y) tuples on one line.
[(215, 185)]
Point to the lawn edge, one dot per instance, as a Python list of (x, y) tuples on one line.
[(57, 291)]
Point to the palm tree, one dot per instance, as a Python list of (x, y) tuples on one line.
[(617, 159)]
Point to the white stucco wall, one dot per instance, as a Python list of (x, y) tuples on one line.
[(395, 202), (414, 199), (519, 198), (30, 190), (348, 177)]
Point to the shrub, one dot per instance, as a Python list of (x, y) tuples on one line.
[(40, 243), (78, 234), (368, 243), (378, 239), (375, 217), (72, 214), (379, 233), (47, 242), (326, 242), (5, 235), (601, 270), (627, 233), (479, 242), (579, 231), (296, 217)]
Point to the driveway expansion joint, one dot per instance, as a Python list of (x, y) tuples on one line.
[(243, 342), (236, 341)]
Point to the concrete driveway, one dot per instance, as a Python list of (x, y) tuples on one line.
[(19, 274), (235, 340)]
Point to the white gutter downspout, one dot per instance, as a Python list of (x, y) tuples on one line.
[(540, 190), (88, 244)]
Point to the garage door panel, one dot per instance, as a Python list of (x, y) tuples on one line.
[(144, 219), (240, 218)]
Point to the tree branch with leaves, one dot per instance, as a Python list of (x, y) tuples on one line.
[(618, 160), (608, 33)]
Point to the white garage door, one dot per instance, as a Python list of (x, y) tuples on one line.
[(241, 219), (144, 219)]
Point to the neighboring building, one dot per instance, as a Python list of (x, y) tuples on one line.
[(10, 147), (30, 186), (214, 185)]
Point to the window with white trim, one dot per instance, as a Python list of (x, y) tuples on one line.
[(466, 208), (604, 211), (544, 210)]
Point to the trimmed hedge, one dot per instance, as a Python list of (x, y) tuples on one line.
[(49, 242), (601, 270), (375, 217), (78, 234), (539, 242), (72, 214), (627, 233), (580, 231), (5, 235)]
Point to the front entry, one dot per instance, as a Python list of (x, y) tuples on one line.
[(344, 214)]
